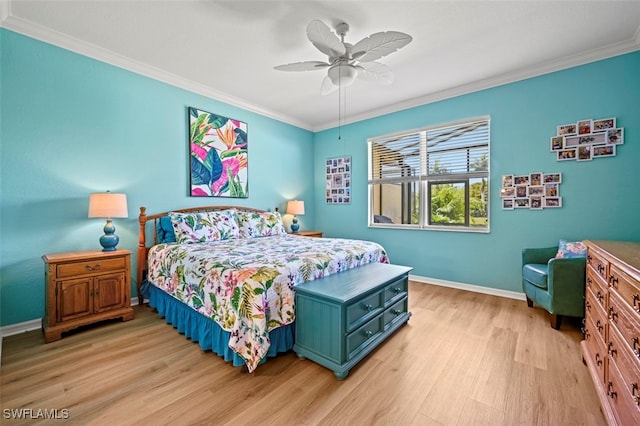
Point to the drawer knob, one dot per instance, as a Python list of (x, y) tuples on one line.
[(599, 326), (368, 333), (397, 290), (598, 360), (396, 311), (613, 315), (613, 352), (613, 280), (93, 268), (612, 394), (368, 307)]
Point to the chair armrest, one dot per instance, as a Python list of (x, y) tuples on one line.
[(567, 280), (538, 255)]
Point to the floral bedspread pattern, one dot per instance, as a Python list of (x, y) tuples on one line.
[(247, 285)]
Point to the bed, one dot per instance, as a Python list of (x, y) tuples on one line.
[(225, 276)]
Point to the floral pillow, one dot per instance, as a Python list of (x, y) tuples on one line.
[(567, 249), (203, 227), (256, 224)]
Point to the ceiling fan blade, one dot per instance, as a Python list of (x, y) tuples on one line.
[(327, 86), (321, 36), (375, 72), (379, 44), (302, 66)]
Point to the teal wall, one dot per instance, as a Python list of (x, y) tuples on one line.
[(601, 198), (71, 125)]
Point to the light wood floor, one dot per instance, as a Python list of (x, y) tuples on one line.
[(463, 359)]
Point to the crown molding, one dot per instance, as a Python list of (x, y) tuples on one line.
[(84, 48), (605, 52), (5, 10)]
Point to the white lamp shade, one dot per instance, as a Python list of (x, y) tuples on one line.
[(108, 204), (342, 75), (295, 207)]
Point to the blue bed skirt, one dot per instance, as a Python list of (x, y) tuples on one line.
[(206, 332)]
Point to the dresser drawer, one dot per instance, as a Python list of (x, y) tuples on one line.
[(598, 263), (359, 339), (627, 363), (625, 321), (74, 269), (625, 406), (625, 286), (395, 311), (597, 352), (596, 319), (364, 309), (396, 290), (598, 286)]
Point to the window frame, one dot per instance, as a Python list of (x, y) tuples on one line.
[(424, 180)]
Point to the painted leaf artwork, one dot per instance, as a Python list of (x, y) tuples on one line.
[(218, 151)]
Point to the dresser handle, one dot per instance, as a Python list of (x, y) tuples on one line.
[(396, 311), (636, 305), (93, 268), (367, 308), (598, 360), (368, 333), (613, 315), (634, 388), (612, 394), (586, 333), (613, 280), (587, 306), (599, 326), (636, 347), (589, 282), (589, 259), (613, 352), (600, 268), (397, 290), (599, 296)]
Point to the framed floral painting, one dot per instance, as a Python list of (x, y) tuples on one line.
[(218, 155)]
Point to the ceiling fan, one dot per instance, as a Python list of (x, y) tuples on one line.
[(347, 61)]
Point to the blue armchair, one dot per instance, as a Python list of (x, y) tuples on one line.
[(556, 285)]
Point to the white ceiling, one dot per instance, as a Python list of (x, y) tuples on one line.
[(227, 49)]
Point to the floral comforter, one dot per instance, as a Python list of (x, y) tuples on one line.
[(247, 285)]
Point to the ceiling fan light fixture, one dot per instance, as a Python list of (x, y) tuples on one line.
[(342, 75)]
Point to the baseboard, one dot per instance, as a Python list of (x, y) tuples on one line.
[(469, 287)]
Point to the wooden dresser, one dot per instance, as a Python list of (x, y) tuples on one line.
[(84, 287), (343, 317), (611, 348)]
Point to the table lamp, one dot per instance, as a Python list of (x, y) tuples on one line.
[(295, 207), (108, 205)]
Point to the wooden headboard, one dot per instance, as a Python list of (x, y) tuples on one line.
[(143, 248)]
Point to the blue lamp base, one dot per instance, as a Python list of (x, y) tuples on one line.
[(294, 224), (109, 240)]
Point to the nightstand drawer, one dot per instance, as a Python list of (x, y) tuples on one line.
[(358, 340), (74, 269), (362, 310)]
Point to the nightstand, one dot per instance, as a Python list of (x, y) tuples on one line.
[(317, 234), (84, 287)]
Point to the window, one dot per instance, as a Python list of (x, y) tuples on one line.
[(432, 178)]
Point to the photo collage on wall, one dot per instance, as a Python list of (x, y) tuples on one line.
[(587, 140), (535, 191), (338, 181)]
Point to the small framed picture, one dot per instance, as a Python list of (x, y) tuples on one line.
[(571, 141), (604, 151), (536, 203), (592, 139), (535, 178), (566, 154), (552, 178), (585, 126), (537, 190), (551, 189), (615, 136), (552, 202), (521, 180), (521, 203), (557, 143), (508, 192), (507, 204), (584, 153), (603, 124), (567, 130), (507, 180), (521, 191)]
